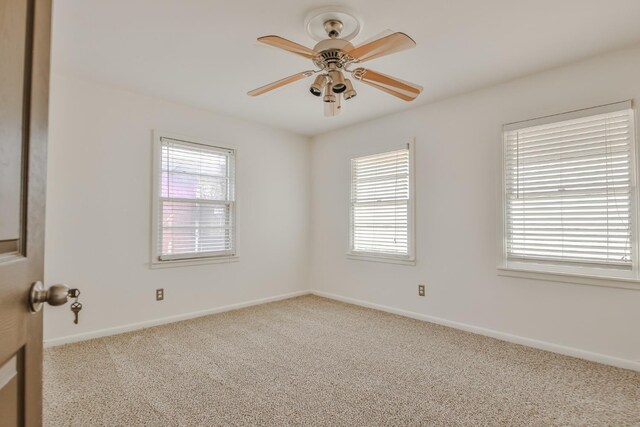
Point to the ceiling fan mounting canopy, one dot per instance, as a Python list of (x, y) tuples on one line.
[(333, 55), (333, 27), (316, 23)]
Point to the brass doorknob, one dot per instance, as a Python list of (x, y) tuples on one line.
[(55, 295)]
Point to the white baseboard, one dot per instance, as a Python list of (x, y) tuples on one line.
[(542, 345), (155, 322)]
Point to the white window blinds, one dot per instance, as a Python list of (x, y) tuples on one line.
[(380, 201), (196, 204), (568, 190)]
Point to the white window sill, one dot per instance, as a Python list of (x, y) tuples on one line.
[(381, 258), (194, 261), (575, 278)]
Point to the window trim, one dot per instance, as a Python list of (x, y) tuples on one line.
[(155, 261), (410, 259), (540, 270)]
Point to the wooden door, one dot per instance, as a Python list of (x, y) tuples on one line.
[(24, 83)]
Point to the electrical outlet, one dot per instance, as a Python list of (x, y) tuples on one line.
[(420, 290), (159, 294)]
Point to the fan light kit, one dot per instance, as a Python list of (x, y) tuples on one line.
[(335, 56)]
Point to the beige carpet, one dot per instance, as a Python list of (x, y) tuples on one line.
[(312, 361)]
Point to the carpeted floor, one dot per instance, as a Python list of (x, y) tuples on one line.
[(312, 361)]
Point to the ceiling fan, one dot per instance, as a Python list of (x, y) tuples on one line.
[(335, 56)]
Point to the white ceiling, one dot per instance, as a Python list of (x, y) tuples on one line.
[(204, 52)]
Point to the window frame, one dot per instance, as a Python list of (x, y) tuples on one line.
[(558, 271), (156, 168), (410, 258)]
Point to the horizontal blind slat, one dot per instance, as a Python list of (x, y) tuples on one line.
[(196, 200), (568, 190), (379, 203)]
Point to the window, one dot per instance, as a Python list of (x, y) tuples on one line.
[(194, 200), (382, 206), (569, 193)]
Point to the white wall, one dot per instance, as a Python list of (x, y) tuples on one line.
[(99, 202), (99, 209), (457, 175)]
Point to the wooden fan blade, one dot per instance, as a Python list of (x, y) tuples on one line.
[(380, 35), (392, 92), (394, 86), (288, 45), (386, 45), (280, 83)]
